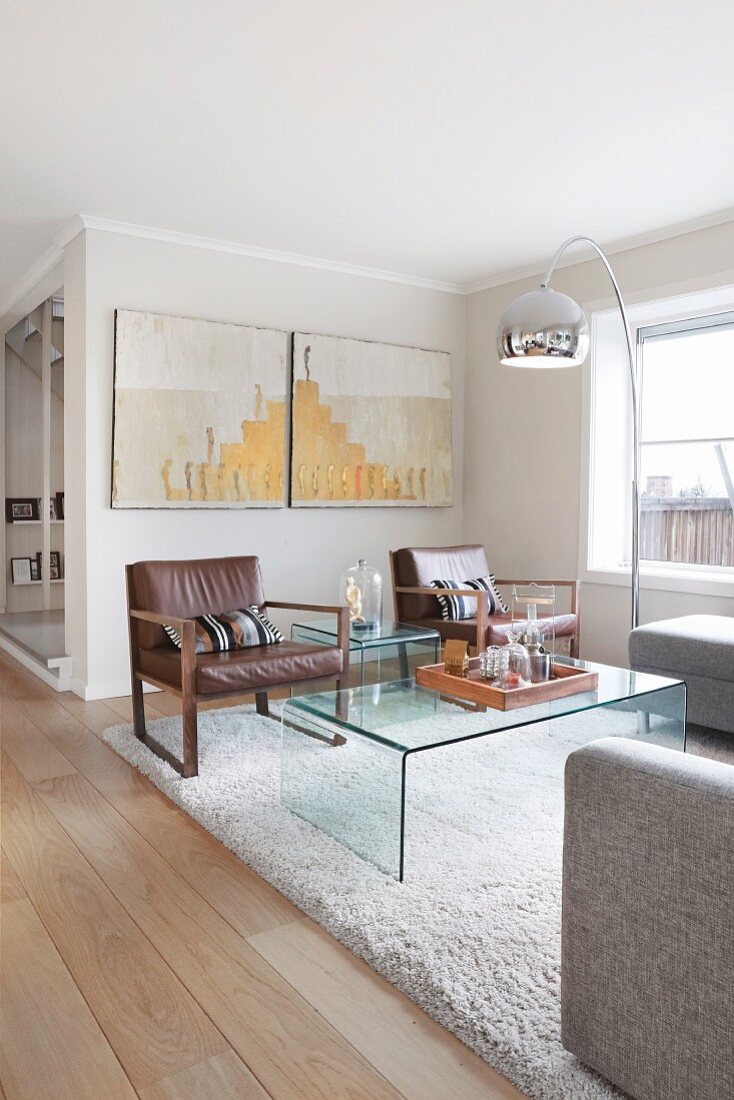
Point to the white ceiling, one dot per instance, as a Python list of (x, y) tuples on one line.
[(444, 140)]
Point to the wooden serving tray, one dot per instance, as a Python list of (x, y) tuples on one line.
[(566, 680)]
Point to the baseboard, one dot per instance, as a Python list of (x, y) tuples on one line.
[(112, 689)]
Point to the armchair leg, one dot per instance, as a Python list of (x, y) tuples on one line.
[(190, 739), (138, 709), (261, 703)]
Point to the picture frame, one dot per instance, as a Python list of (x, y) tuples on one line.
[(53, 509), (56, 574), (21, 509), (60, 506), (35, 569), (20, 569)]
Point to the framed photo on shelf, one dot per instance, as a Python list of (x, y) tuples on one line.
[(53, 509), (59, 506), (55, 565), (21, 509), (21, 570), (35, 569)]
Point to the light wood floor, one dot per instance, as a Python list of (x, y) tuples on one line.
[(141, 958)]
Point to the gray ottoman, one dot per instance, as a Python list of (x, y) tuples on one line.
[(698, 649)]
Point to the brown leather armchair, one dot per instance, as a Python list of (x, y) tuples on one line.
[(173, 593), (413, 569)]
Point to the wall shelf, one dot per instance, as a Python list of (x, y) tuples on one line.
[(30, 522), (27, 584)]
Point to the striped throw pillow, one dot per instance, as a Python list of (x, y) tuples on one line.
[(230, 630), (455, 608)]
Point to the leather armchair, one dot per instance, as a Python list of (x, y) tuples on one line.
[(413, 569), (173, 593)]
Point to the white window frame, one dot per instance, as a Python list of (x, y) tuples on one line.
[(680, 302)]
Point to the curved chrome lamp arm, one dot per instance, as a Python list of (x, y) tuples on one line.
[(631, 351)]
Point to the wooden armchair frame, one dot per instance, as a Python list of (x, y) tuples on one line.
[(187, 693)]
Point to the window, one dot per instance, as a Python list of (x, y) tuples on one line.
[(687, 441), (685, 347)]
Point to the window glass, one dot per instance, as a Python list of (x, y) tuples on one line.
[(687, 443)]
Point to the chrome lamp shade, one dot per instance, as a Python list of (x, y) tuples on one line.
[(543, 329)]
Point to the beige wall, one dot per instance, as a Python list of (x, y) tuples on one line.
[(523, 439), (303, 551)]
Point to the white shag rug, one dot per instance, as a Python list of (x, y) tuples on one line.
[(473, 935)]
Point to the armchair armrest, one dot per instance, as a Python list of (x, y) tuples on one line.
[(340, 610), (161, 620), (185, 628)]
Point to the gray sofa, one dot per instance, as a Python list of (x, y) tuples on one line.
[(648, 919), (698, 649)]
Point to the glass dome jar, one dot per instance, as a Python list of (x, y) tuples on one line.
[(361, 591), (515, 666)]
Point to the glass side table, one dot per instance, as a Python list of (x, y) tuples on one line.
[(394, 648)]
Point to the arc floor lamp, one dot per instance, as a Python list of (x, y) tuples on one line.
[(547, 329)]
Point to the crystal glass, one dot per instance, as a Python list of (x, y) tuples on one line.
[(361, 590), (515, 666), (490, 663)]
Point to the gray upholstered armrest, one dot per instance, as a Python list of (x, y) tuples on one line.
[(648, 919)]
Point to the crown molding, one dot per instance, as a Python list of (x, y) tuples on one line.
[(35, 276), (213, 244), (54, 255), (623, 244)]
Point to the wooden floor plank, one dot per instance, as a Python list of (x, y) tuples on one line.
[(153, 1024), (288, 1047), (327, 988), (52, 1045), (11, 888), (248, 903), (417, 1055), (224, 1077), (33, 754)]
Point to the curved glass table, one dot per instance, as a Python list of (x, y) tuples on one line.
[(373, 646), (358, 796)]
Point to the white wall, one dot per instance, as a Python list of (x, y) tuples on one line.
[(303, 551), (523, 436)]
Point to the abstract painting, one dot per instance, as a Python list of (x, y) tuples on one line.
[(371, 424), (200, 414)]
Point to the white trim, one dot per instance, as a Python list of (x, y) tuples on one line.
[(699, 582), (213, 244), (54, 255), (110, 689), (60, 682), (38, 273), (674, 577), (624, 244)]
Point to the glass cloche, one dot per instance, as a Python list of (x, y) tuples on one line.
[(361, 590)]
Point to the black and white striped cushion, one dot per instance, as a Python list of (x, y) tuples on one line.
[(455, 608), (230, 630)]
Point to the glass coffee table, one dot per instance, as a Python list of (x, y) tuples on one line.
[(411, 645), (345, 754)]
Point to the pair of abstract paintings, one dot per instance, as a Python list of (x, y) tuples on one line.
[(201, 418)]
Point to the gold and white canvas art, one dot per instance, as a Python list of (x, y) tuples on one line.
[(200, 414), (371, 424)]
